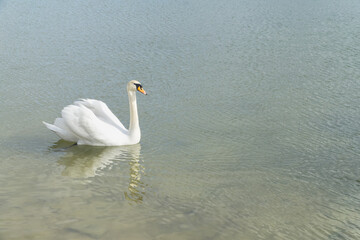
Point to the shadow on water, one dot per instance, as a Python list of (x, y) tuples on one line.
[(86, 162)]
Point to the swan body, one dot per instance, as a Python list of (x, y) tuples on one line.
[(91, 122)]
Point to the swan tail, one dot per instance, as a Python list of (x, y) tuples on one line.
[(57, 127), (51, 127)]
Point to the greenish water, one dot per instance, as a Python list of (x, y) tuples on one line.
[(250, 130)]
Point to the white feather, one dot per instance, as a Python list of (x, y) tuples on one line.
[(91, 122)]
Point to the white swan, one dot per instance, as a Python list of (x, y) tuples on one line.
[(90, 122)]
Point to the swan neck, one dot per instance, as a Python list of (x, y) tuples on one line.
[(134, 118)]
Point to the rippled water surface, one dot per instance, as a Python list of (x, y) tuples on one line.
[(250, 129)]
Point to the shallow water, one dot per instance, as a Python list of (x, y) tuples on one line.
[(250, 129)]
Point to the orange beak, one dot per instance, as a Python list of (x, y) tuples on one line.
[(140, 89)]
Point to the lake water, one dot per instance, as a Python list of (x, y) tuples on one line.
[(250, 130)]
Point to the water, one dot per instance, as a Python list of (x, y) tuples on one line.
[(250, 129)]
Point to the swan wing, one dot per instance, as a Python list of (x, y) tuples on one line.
[(102, 112), (90, 129)]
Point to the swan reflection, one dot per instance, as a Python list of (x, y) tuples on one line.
[(88, 161)]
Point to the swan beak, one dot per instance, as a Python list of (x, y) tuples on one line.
[(140, 89)]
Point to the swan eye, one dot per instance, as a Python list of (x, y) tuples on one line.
[(140, 89)]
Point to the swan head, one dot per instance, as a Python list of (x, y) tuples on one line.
[(135, 85)]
